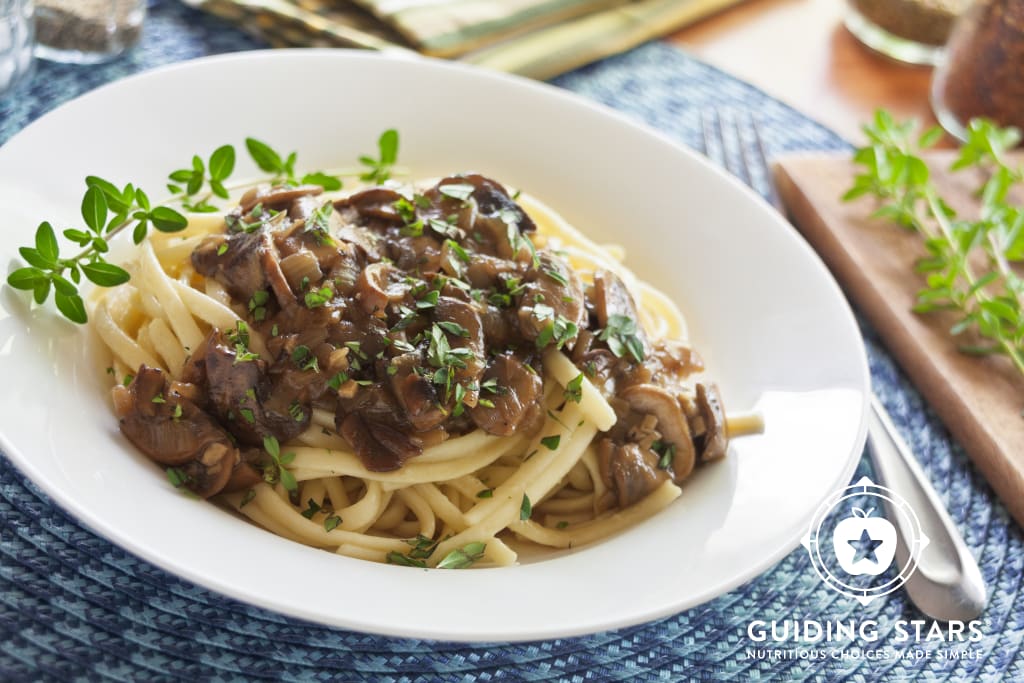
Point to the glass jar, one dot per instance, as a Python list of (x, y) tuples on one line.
[(87, 31), (911, 31), (17, 28), (982, 73)]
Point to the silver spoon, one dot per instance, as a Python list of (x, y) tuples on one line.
[(947, 584)]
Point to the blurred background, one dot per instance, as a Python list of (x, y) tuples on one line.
[(835, 60)]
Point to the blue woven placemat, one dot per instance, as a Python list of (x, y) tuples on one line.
[(73, 606)]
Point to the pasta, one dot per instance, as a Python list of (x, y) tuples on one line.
[(451, 485)]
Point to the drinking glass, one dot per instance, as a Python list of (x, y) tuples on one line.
[(17, 28), (87, 31)]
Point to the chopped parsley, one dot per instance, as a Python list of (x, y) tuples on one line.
[(460, 191), (422, 548), (666, 453), (525, 508), (277, 471), (413, 226), (574, 389), (551, 442), (453, 328), (240, 338), (177, 477), (559, 331), (555, 275), (319, 224), (258, 305), (305, 359), (311, 509), (318, 297), (463, 557), (622, 337)]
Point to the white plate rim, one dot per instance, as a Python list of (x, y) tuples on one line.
[(102, 528)]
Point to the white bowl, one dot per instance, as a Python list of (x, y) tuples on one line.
[(773, 326)]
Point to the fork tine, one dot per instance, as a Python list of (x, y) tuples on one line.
[(714, 149), (734, 141), (736, 159), (762, 161)]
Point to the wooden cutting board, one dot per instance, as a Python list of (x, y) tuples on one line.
[(980, 399)]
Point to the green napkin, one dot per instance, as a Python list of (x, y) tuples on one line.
[(537, 38)]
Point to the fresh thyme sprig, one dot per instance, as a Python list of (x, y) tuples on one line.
[(968, 268), (108, 210), (47, 268), (188, 182), (379, 170)]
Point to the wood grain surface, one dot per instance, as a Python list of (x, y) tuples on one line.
[(979, 398), (799, 52)]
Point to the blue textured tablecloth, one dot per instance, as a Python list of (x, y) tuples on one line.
[(73, 606)]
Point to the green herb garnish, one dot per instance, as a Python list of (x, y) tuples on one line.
[(460, 191), (622, 337), (968, 268), (312, 507), (574, 389), (551, 442), (108, 210), (463, 557), (379, 169), (525, 508), (279, 460)]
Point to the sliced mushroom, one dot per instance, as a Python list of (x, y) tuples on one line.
[(715, 439), (208, 474), (471, 338), (277, 197), (236, 261), (629, 470), (173, 431), (247, 473), (376, 202), (648, 399), (488, 218), (416, 393), (270, 261), (380, 447), (378, 285), (555, 289), (610, 297), (516, 392), (246, 400)]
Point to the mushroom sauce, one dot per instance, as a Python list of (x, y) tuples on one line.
[(412, 317)]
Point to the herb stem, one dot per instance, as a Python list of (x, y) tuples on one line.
[(967, 274), (971, 259)]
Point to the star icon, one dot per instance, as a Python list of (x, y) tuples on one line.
[(865, 547)]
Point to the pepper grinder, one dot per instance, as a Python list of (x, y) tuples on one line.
[(981, 72)]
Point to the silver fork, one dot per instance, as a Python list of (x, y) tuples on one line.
[(947, 584)]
